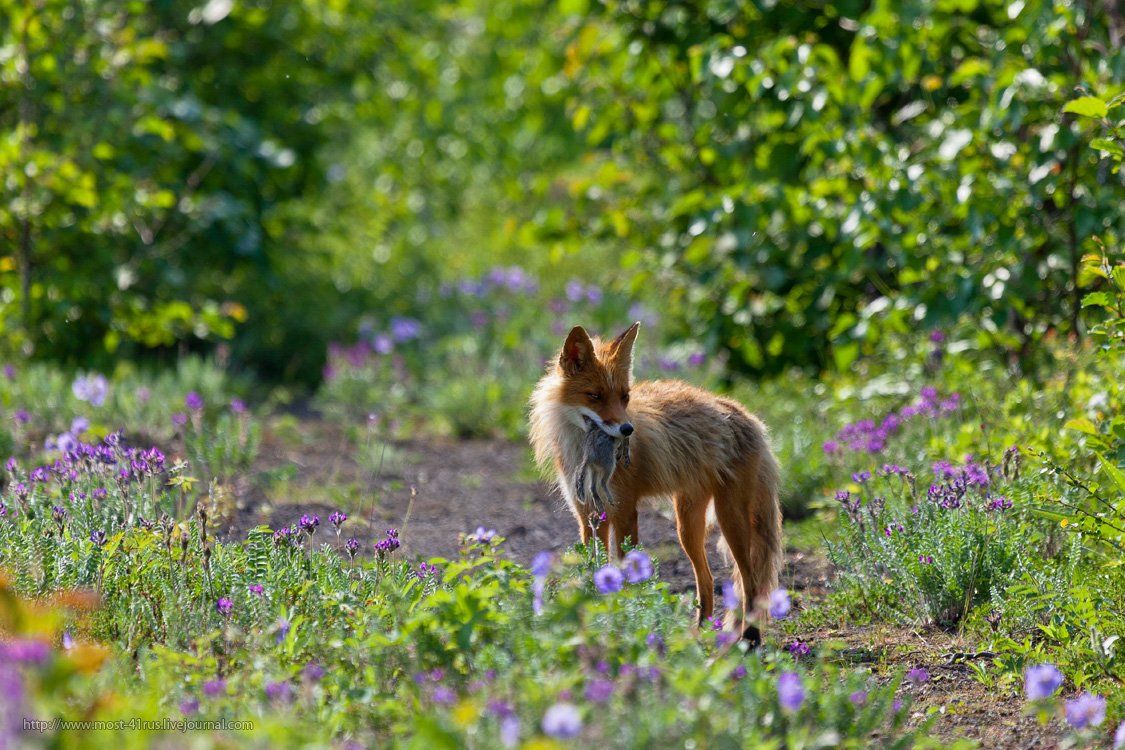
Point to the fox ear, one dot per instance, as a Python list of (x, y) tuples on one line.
[(621, 348), (578, 351)]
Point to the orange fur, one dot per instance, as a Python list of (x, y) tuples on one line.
[(690, 445)]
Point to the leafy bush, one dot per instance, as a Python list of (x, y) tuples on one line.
[(959, 542), (825, 176)]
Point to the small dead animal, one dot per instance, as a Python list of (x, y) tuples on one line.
[(601, 453)]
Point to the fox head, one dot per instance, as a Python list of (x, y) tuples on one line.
[(596, 377)]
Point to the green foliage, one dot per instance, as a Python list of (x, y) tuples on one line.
[(813, 177), (220, 444), (788, 183)]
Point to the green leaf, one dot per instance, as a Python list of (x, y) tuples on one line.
[(1081, 424), (1087, 106), (1111, 470), (1099, 299), (844, 355), (1110, 147)]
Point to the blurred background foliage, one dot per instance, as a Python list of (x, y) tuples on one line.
[(785, 183)]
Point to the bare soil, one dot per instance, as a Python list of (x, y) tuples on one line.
[(434, 490)]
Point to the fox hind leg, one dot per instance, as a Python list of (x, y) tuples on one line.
[(750, 521)]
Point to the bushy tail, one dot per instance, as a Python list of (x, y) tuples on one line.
[(749, 515)]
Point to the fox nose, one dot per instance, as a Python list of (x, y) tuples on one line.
[(626, 429)]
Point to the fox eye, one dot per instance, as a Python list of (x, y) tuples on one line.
[(625, 398), (594, 396)]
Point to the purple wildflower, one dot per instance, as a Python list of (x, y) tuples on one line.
[(193, 401), (405, 329), (562, 721), (575, 290), (67, 443), (308, 523), (499, 708), (541, 563), (389, 544), (609, 579), (731, 600), (189, 706), (443, 695), (780, 604), (279, 692), (790, 691), (858, 698), (998, 502), (91, 388), (1041, 681), (1087, 710), (256, 589), (179, 419), (510, 731), (224, 606), (599, 691), (799, 648), (352, 547), (214, 688), (482, 535), (637, 566), (383, 344), (312, 672), (25, 651), (238, 406), (337, 518), (97, 536), (918, 675)]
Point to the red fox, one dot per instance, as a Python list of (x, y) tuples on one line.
[(685, 443)]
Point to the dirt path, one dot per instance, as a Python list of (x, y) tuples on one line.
[(435, 490)]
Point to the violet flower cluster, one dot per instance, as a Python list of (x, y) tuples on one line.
[(871, 436)]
